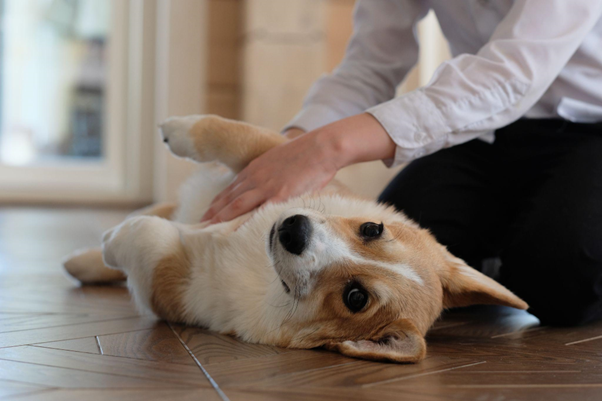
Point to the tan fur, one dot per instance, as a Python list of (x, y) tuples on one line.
[(376, 333), (361, 334), (402, 233), (170, 278), (399, 342), (233, 143), (465, 287), (459, 289), (399, 242)]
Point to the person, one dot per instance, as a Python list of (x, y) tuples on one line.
[(504, 143)]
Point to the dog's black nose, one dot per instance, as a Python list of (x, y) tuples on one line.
[(294, 233)]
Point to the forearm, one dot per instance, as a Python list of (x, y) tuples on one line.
[(355, 139)]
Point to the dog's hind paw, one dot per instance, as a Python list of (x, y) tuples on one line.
[(87, 266)]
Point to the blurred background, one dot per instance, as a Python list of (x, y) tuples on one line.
[(83, 84)]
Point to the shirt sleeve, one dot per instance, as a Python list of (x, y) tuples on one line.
[(473, 94), (382, 49)]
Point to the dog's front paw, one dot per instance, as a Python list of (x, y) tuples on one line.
[(176, 132), (111, 247), (203, 138), (122, 245), (139, 241)]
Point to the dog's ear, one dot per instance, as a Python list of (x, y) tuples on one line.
[(399, 342), (465, 286)]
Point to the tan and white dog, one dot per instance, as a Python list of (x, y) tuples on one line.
[(323, 270)]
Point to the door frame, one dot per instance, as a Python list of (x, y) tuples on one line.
[(181, 83)]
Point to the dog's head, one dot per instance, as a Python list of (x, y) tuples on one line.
[(368, 287)]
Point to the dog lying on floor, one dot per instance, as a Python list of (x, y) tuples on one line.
[(324, 270)]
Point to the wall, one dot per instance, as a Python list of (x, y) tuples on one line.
[(224, 58)]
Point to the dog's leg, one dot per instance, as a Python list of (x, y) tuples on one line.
[(157, 257), (87, 266), (150, 251), (206, 138)]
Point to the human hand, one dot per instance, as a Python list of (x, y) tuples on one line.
[(293, 133), (293, 168), (304, 164)]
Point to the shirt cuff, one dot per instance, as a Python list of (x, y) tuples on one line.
[(312, 117), (413, 123)]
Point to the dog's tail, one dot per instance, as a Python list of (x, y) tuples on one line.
[(87, 267)]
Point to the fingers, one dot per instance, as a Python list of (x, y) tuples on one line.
[(221, 200), (240, 205)]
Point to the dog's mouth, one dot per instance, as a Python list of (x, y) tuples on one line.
[(271, 240), (272, 234)]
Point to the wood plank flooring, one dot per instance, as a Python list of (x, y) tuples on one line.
[(59, 341)]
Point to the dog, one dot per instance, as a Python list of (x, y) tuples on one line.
[(328, 269)]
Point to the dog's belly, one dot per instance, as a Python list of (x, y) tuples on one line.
[(198, 191)]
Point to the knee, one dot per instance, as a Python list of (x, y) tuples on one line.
[(567, 312), (563, 285), (561, 279)]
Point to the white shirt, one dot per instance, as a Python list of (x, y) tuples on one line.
[(531, 58)]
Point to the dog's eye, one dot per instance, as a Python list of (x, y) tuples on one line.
[(371, 230), (355, 297)]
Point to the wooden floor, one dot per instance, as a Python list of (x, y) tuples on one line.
[(60, 341)]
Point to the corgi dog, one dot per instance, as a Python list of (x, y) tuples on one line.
[(328, 269)]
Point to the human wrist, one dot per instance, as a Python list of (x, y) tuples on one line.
[(356, 139), (372, 140), (332, 145)]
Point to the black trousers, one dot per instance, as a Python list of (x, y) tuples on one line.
[(533, 199)]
